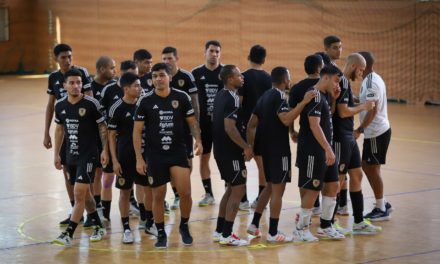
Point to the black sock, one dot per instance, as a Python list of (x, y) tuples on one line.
[(132, 199), (325, 223), (71, 228), (317, 203), (97, 200), (227, 228), (149, 217), (125, 223), (175, 192), (336, 208), (244, 199), (343, 198), (220, 224), (256, 219), (161, 229), (72, 202), (207, 186), (260, 190), (106, 205), (142, 212), (183, 222), (273, 226), (95, 219), (357, 201)]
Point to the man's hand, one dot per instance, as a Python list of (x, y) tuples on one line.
[(248, 153), (198, 148), (329, 157), (57, 162), (294, 136), (47, 141), (117, 168), (309, 96), (141, 167), (370, 105), (104, 158)]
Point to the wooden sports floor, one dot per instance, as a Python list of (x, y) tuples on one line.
[(33, 200)]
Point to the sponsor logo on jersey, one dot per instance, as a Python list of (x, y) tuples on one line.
[(80, 177), (128, 114), (116, 97), (63, 112), (175, 104), (166, 147), (181, 82), (202, 78), (155, 107), (82, 111)]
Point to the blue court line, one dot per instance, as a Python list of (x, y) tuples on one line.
[(402, 256)]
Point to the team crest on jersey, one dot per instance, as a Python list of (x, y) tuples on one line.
[(175, 104), (341, 167), (150, 82), (316, 183), (244, 173), (82, 111), (181, 82), (121, 181), (150, 180)]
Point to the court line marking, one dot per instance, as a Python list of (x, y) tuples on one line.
[(20, 230), (402, 256)]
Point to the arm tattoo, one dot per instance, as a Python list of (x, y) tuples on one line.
[(103, 135), (195, 131)]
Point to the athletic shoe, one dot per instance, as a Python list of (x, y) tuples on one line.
[(244, 206), (142, 224), (316, 211), (207, 200), (297, 219), (303, 235), (389, 208), (341, 230), (127, 237), (166, 208), (65, 222), (106, 222), (97, 234), (100, 211), (161, 242), (187, 239), (63, 240), (88, 224), (134, 209), (253, 230), (176, 203), (254, 204), (152, 230), (216, 236), (279, 237), (329, 233), (342, 210), (378, 215), (233, 240), (366, 228)]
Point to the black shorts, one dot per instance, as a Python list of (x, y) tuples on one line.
[(257, 144), (375, 149), (206, 135), (129, 175), (158, 167), (277, 169), (83, 172), (232, 170), (313, 171), (63, 153), (189, 146), (348, 155), (109, 167)]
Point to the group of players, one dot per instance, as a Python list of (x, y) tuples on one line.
[(146, 126)]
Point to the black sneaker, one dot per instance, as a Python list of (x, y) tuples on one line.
[(187, 239), (88, 224), (378, 215), (161, 241), (388, 208), (65, 222)]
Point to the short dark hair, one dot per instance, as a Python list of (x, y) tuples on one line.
[(324, 57), (72, 72), (330, 70), (170, 50), (329, 40), (161, 66), (257, 54), (312, 63), (128, 79), (226, 72), (369, 58), (141, 54), (212, 42), (278, 74), (61, 48), (127, 65), (103, 61)]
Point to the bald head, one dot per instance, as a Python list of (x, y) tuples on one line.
[(103, 62), (354, 66), (356, 59)]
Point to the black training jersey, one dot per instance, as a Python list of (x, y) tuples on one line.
[(56, 79), (121, 119), (164, 119), (318, 107), (208, 84), (146, 82), (184, 81), (110, 94), (80, 124), (97, 88), (274, 133), (256, 82), (297, 92), (343, 127), (226, 105)]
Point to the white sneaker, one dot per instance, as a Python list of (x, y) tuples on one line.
[(63, 240), (279, 237), (233, 240), (342, 210), (152, 230), (253, 230), (97, 234), (133, 210), (366, 228), (127, 237), (100, 211), (329, 233), (316, 211), (341, 230), (244, 206), (142, 224), (207, 200), (176, 203), (297, 220), (303, 235), (166, 208), (216, 236)]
